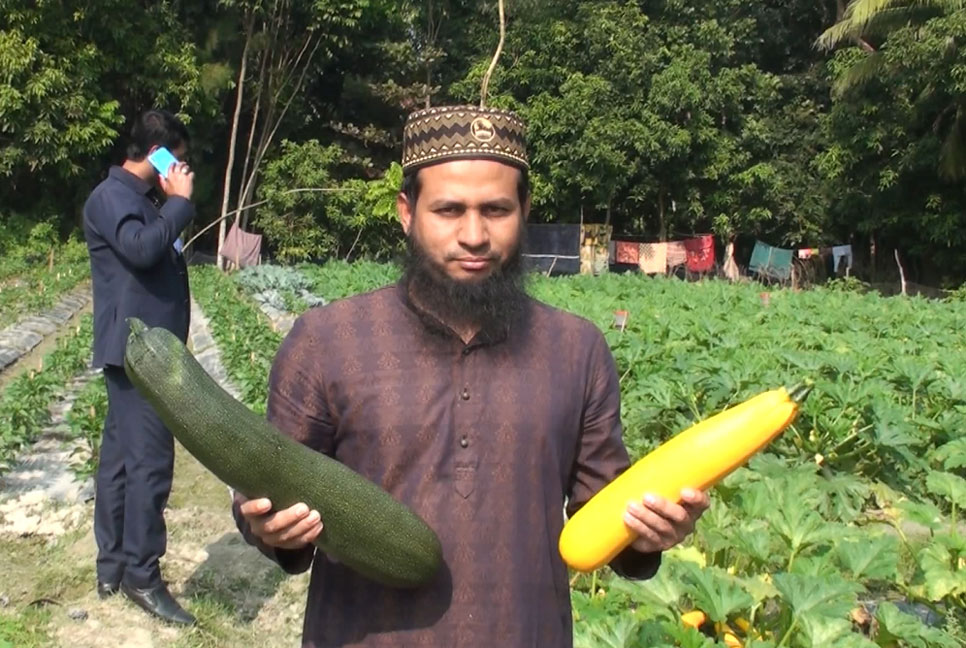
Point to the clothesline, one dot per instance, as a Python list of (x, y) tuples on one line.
[(777, 262), (590, 248), (697, 255)]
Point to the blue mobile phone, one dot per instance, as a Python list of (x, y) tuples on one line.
[(162, 159)]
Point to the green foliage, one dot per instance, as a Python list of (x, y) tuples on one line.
[(654, 120), (957, 295), (29, 282), (25, 401), (338, 279), (310, 215), (897, 627), (953, 454), (68, 85), (243, 334), (260, 278), (847, 284), (868, 19), (14, 230), (86, 422), (28, 629), (281, 287), (666, 118), (49, 101), (895, 133), (715, 592)]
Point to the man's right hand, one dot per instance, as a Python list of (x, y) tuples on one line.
[(180, 181), (292, 528)]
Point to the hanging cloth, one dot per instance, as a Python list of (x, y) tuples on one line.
[(652, 258), (241, 247), (700, 253), (730, 267), (840, 252), (771, 261), (677, 254), (627, 252)]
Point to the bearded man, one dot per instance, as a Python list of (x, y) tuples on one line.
[(488, 413)]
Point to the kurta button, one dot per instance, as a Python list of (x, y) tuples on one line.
[(464, 442), (466, 394)]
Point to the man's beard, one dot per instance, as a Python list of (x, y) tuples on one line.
[(489, 304)]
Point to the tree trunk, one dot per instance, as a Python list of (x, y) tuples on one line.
[(429, 43), (273, 123), (662, 229), (902, 273), (253, 127), (873, 273), (226, 193), (271, 72)]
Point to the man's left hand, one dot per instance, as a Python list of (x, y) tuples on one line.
[(661, 524)]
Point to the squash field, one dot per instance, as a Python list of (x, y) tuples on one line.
[(847, 529), (845, 533)]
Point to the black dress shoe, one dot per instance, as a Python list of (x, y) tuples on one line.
[(159, 602), (105, 590)]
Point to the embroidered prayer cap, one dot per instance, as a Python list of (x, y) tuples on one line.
[(462, 132)]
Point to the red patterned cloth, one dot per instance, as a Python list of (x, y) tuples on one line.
[(676, 254), (627, 252), (700, 251)]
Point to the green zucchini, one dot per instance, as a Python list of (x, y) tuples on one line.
[(364, 527)]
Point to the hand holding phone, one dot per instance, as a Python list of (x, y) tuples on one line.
[(161, 160), (180, 182), (177, 179)]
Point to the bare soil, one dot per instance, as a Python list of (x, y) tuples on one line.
[(239, 597)]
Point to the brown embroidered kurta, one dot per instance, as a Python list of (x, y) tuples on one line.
[(487, 441)]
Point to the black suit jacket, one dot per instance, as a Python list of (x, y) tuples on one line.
[(135, 270)]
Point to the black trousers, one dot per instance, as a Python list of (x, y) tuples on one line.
[(132, 487)]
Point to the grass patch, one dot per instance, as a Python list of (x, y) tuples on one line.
[(34, 568), (25, 629), (195, 486), (216, 625)]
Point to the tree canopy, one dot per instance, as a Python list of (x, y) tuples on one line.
[(803, 123)]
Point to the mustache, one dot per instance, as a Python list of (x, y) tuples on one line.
[(490, 256)]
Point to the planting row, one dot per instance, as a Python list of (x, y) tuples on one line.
[(26, 400)]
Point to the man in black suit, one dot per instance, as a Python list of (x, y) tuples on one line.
[(137, 270)]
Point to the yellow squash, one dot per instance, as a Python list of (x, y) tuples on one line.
[(731, 641), (694, 618), (697, 458)]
